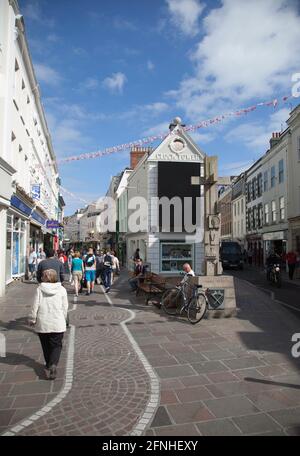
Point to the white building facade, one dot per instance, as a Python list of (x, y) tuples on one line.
[(238, 210), (29, 184), (173, 170), (274, 194)]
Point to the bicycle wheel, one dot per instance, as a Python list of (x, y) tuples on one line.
[(197, 308), (171, 301)]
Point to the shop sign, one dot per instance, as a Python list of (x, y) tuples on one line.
[(36, 192), (276, 236), (38, 218), (53, 224), (18, 204)]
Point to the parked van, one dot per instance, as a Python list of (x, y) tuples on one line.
[(231, 255)]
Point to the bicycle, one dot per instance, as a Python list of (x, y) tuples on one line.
[(175, 301)]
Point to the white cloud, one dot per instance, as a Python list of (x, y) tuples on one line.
[(46, 74), (256, 135), (115, 82), (32, 10), (248, 50), (185, 15), (162, 127), (90, 84), (150, 65), (202, 138)]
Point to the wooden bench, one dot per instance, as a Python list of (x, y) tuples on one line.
[(152, 285)]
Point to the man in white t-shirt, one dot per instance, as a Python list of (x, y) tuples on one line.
[(188, 272), (32, 262)]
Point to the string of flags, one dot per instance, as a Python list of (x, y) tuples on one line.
[(190, 128), (67, 192)]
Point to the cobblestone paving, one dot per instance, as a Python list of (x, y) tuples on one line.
[(233, 376), (110, 386)]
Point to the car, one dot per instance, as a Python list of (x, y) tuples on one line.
[(231, 255)]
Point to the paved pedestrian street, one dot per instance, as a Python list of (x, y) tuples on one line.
[(128, 369)]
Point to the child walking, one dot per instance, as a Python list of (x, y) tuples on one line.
[(48, 316)]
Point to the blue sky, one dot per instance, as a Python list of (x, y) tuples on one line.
[(113, 72)]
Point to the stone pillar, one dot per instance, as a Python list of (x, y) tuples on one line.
[(212, 220)]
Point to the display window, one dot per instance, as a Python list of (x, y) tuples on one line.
[(15, 247), (174, 255)]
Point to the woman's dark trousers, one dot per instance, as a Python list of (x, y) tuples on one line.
[(52, 346)]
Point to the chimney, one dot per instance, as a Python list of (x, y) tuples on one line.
[(137, 153), (274, 140)]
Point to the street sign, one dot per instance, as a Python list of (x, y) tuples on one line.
[(36, 192), (52, 224)]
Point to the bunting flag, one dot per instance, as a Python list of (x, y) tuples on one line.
[(67, 192), (189, 128)]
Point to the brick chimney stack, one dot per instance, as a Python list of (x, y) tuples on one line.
[(275, 139), (137, 153)]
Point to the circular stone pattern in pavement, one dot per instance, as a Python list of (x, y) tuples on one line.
[(110, 388)]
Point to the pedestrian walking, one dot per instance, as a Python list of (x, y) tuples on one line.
[(115, 266), (250, 256), (32, 264), (77, 269), (70, 260), (90, 271), (291, 259), (108, 264), (136, 255), (99, 267), (48, 316), (51, 262), (40, 256)]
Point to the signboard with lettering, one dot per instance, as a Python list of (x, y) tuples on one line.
[(38, 218), (36, 192), (52, 224), (18, 204)]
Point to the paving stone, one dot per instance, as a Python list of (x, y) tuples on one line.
[(175, 371), (229, 407), (189, 413), (6, 416), (193, 394), (35, 400), (32, 388), (161, 418), (209, 366), (195, 380), (178, 430), (287, 417), (256, 423), (168, 397), (271, 400), (241, 363), (218, 428)]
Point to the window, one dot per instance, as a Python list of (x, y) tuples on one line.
[(259, 184), (281, 208), (23, 84), (266, 214), (234, 209), (254, 188), (254, 209), (265, 181), (238, 208), (242, 206), (280, 171), (273, 206), (299, 148), (273, 176), (259, 216), (249, 191), (16, 65)]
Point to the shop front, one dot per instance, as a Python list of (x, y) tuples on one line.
[(173, 255), (16, 240), (275, 241), (255, 245)]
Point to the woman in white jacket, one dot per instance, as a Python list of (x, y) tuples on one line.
[(48, 316)]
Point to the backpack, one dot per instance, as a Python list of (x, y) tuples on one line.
[(108, 261), (90, 260)]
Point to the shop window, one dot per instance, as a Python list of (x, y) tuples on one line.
[(281, 208), (280, 171), (174, 255)]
